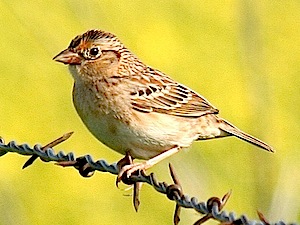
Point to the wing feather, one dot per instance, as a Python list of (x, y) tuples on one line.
[(156, 92)]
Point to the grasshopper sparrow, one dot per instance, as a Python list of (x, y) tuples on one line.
[(136, 109)]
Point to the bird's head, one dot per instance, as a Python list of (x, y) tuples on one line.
[(88, 47)]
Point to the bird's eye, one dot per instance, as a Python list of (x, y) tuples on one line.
[(92, 53)]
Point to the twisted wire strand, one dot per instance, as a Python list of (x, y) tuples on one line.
[(162, 187)]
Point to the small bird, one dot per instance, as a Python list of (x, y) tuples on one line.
[(135, 109)]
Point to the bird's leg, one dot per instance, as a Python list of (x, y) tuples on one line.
[(127, 160), (133, 167)]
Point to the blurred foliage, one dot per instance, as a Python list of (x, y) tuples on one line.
[(244, 56)]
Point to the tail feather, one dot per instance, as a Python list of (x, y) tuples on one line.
[(231, 129)]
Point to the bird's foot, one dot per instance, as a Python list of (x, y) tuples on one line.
[(128, 168)]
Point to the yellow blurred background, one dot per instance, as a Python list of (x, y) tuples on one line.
[(243, 56)]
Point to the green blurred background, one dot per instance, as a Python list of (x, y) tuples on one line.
[(243, 56)]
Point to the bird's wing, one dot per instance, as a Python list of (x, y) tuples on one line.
[(156, 92)]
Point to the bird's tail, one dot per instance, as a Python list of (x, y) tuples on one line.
[(232, 130)]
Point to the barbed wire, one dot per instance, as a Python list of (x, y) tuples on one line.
[(212, 209)]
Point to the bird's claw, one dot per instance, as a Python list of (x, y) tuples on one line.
[(126, 171), (128, 168)]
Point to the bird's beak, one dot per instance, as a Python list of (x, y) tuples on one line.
[(68, 57)]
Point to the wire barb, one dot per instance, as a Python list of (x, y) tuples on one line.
[(212, 209), (175, 191), (50, 145)]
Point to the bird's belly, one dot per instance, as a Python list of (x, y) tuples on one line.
[(144, 135), (123, 137)]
